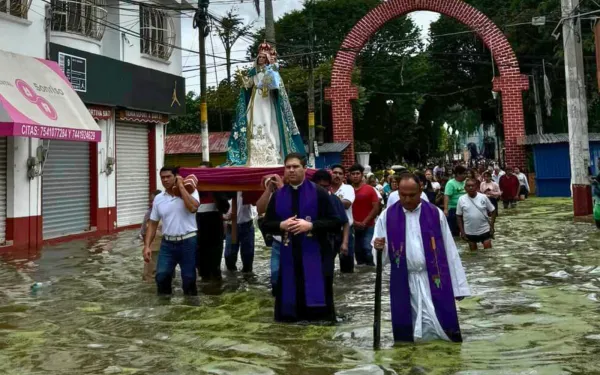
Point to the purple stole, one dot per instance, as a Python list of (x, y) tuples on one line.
[(440, 281), (314, 283)]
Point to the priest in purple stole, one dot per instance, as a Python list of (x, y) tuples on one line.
[(426, 273), (302, 213)]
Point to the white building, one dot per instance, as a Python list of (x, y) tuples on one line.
[(66, 171)]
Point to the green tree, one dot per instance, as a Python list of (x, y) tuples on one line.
[(463, 69), (229, 29), (190, 122), (381, 66)]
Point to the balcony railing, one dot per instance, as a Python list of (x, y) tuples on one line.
[(17, 8), (157, 31), (82, 17)]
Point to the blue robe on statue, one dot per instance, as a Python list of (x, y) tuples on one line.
[(265, 130)]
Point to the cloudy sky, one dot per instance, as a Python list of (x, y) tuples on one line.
[(246, 9)]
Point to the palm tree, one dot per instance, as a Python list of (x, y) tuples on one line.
[(269, 19), (230, 29)]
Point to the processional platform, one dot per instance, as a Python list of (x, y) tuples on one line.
[(233, 179)]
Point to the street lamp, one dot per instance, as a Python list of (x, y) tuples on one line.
[(445, 126), (417, 115), (457, 141), (389, 103), (450, 130)]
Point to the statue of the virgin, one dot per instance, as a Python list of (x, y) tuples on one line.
[(265, 130)]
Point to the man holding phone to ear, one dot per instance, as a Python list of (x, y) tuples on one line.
[(272, 184), (178, 246)]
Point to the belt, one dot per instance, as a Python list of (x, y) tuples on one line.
[(179, 238)]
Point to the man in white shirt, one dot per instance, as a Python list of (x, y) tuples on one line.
[(497, 173), (245, 233), (426, 273), (523, 184), (473, 212), (178, 246), (272, 183), (344, 192)]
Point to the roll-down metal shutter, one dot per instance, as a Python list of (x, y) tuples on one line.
[(133, 176), (66, 189), (3, 172)]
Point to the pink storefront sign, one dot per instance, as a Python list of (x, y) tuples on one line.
[(37, 101)]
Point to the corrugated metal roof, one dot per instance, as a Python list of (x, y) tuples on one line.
[(192, 143), (537, 139), (331, 147)]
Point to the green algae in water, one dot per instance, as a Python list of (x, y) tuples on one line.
[(534, 311)]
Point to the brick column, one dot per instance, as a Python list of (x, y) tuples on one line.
[(510, 83), (511, 89), (343, 127)]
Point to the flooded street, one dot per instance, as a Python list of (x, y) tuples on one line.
[(535, 310)]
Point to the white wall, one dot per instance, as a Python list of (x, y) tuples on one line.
[(25, 37), (160, 152), (112, 41), (129, 14), (106, 148), (23, 195)]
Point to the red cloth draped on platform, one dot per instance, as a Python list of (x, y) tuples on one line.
[(233, 178)]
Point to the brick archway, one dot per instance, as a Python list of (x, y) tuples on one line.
[(511, 82)]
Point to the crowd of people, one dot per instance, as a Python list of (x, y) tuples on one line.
[(468, 197), (343, 214)]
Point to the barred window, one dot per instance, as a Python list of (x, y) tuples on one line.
[(83, 17), (157, 31), (17, 8)]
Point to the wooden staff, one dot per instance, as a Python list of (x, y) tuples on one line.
[(377, 318)]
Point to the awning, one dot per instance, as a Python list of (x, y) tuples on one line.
[(37, 101)]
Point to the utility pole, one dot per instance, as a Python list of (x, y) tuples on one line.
[(269, 23), (538, 104), (577, 109), (311, 90), (201, 22), (321, 94), (47, 28), (597, 45)]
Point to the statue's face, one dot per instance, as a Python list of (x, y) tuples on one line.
[(262, 59)]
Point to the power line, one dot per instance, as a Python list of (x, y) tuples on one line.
[(250, 39), (117, 27)]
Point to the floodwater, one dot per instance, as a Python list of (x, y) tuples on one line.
[(534, 310)]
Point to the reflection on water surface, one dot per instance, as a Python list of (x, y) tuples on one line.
[(534, 311)]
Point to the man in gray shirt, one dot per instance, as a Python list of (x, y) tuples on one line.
[(473, 213)]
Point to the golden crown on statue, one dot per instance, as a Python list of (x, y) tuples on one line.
[(268, 50), (265, 47)]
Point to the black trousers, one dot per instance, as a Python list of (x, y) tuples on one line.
[(346, 261), (210, 244)]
